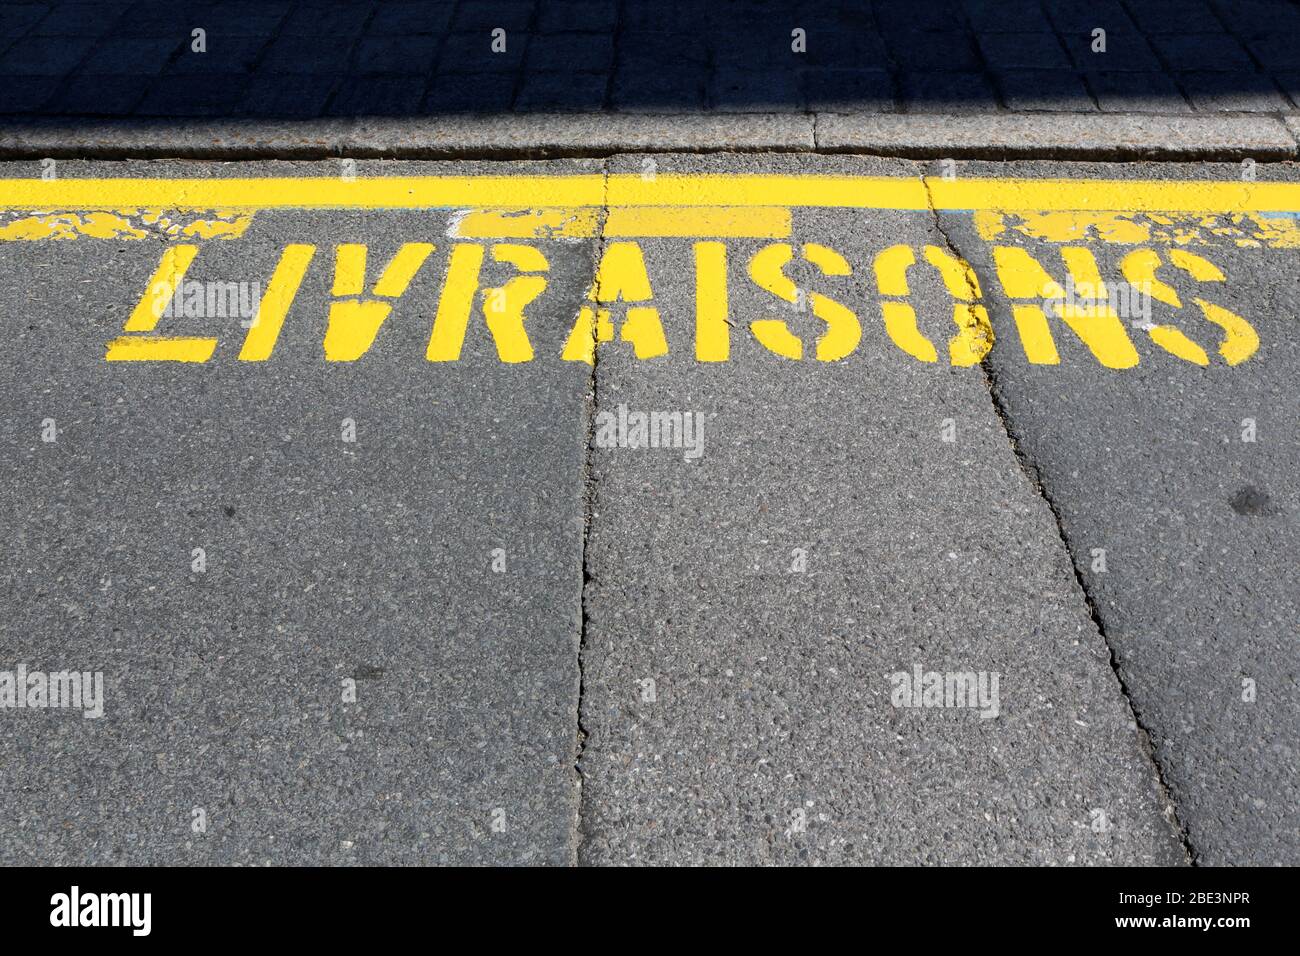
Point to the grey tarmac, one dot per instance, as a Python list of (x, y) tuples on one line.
[(559, 651), (1200, 598)]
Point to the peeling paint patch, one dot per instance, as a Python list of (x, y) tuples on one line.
[(1244, 230), (130, 224)]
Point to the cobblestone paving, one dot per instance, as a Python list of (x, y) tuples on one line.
[(408, 57)]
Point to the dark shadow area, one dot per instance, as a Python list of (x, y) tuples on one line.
[(297, 59)]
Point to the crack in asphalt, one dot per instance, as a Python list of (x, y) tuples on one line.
[(1032, 474), (589, 509)]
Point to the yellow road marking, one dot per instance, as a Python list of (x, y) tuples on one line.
[(176, 261), (275, 302), (1075, 294), (579, 223), (422, 192), (641, 222), (1244, 230), (122, 224), (591, 190), (701, 206), (724, 222)]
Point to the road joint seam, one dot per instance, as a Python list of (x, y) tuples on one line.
[(1034, 477), (589, 496)]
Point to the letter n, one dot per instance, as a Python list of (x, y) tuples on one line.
[(1097, 325)]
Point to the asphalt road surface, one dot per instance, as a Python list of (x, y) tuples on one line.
[(671, 509)]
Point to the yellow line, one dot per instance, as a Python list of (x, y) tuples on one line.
[(721, 222), (1051, 195), (857, 192), (588, 190), (420, 192)]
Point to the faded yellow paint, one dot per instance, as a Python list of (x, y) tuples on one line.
[(581, 223), (69, 225), (1243, 230), (126, 224), (732, 222), (122, 224), (226, 226), (1065, 226), (625, 223)]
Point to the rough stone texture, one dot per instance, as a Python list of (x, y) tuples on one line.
[(1064, 136)]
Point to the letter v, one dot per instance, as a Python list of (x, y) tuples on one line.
[(353, 321)]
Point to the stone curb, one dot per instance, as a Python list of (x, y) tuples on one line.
[(1081, 136), (1111, 136)]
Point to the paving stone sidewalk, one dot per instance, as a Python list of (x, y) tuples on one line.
[(313, 58)]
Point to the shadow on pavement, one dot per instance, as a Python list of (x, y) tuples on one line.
[(314, 58)]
